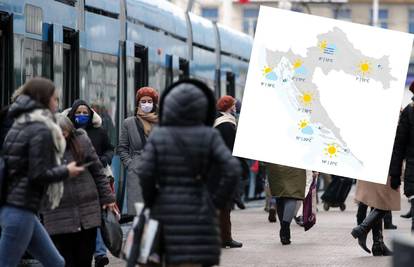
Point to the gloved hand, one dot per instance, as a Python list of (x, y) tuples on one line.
[(395, 182)]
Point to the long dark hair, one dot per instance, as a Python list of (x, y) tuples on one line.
[(72, 141), (40, 90)]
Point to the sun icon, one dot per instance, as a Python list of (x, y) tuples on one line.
[(331, 150), (323, 45), (297, 64), (364, 67), (307, 98), (266, 70), (303, 124)]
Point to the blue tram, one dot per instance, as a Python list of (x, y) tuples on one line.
[(103, 50)]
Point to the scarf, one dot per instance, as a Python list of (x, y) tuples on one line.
[(148, 120), (227, 117), (54, 191)]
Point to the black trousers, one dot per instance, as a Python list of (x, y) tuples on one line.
[(76, 248)]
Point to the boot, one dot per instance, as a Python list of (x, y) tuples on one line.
[(272, 215), (240, 204), (284, 233), (388, 221), (362, 230), (272, 211), (378, 247), (231, 244), (407, 215), (279, 209), (361, 213)]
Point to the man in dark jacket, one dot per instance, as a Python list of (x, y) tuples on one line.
[(404, 149), (225, 123)]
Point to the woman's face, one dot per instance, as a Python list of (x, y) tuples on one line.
[(146, 104), (82, 110), (54, 102)]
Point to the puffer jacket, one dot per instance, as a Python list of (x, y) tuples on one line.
[(30, 157), (404, 149), (190, 232), (83, 195)]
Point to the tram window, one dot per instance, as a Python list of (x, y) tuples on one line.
[(37, 59), (101, 89), (169, 72), (231, 84), (34, 19), (157, 76), (184, 68)]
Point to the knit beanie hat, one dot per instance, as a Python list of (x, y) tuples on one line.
[(225, 102), (147, 91)]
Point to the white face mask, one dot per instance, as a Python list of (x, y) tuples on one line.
[(146, 107)]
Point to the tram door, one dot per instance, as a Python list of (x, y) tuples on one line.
[(141, 67), (6, 58), (231, 84), (70, 66)]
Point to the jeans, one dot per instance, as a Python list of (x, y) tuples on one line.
[(100, 249), (21, 230)]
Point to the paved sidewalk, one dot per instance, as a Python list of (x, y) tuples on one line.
[(329, 243)]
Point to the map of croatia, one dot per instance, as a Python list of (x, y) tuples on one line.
[(333, 52)]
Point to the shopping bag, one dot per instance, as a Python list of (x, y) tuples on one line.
[(309, 207), (142, 245), (111, 232)]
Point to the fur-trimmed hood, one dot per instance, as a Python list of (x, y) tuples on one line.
[(96, 121)]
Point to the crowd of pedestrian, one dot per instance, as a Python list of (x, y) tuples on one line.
[(177, 153)]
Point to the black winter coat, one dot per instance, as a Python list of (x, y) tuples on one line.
[(228, 132), (5, 125), (404, 149), (96, 133), (182, 204), (83, 196), (30, 158)]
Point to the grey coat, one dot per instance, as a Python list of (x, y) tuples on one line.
[(129, 149)]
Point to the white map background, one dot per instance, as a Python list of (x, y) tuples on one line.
[(323, 95)]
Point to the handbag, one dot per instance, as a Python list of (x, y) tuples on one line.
[(309, 207), (142, 245), (111, 232)]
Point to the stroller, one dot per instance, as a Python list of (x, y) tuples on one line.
[(336, 193)]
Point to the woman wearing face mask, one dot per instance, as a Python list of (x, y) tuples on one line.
[(73, 225), (226, 124), (134, 133), (84, 117)]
